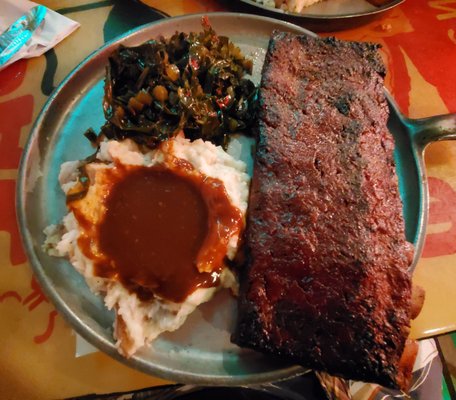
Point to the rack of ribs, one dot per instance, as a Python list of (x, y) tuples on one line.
[(326, 282)]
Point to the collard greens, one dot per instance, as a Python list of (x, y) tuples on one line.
[(192, 82)]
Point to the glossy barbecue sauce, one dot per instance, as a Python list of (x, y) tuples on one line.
[(161, 228)]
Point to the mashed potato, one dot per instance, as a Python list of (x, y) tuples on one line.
[(139, 322)]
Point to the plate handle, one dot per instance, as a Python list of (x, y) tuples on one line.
[(433, 129)]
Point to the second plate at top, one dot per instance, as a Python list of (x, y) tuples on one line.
[(329, 15)]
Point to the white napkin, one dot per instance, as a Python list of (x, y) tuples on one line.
[(52, 30), (83, 347)]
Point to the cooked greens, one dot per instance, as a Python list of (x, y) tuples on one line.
[(192, 82)]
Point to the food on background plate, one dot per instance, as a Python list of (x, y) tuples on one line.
[(327, 281), (157, 211), (299, 6), (295, 6)]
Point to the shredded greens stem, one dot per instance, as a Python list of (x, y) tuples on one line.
[(192, 82)]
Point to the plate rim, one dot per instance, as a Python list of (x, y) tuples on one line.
[(87, 332)]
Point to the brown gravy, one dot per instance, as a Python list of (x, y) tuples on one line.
[(165, 231)]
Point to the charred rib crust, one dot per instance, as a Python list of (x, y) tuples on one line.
[(326, 281)]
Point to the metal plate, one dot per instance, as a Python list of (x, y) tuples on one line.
[(200, 352), (328, 15)]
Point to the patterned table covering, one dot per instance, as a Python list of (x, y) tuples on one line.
[(38, 348)]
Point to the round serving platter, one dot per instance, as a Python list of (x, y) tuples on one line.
[(200, 352)]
